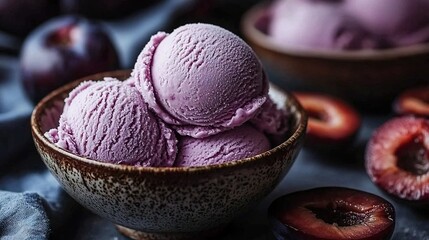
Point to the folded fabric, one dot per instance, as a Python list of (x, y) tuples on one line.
[(59, 205), (23, 216)]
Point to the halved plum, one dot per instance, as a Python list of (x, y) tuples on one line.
[(397, 158), (332, 213), (332, 123), (413, 101)]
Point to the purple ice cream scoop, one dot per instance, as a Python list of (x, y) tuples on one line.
[(272, 121), (201, 79), (109, 121), (238, 143)]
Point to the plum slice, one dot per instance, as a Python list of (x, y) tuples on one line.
[(332, 122), (397, 158), (413, 101), (332, 213)]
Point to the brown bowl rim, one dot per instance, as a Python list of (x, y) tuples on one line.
[(249, 30), (37, 134)]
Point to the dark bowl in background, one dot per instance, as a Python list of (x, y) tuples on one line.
[(367, 78)]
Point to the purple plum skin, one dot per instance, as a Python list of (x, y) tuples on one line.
[(62, 50)]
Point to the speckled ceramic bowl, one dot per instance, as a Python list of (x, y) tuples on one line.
[(166, 203), (368, 78)]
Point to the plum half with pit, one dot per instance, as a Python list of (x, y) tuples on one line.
[(332, 122), (332, 213), (65, 49), (397, 158)]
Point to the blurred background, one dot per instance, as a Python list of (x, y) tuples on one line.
[(46, 43)]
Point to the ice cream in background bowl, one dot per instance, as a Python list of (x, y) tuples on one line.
[(230, 157), (356, 50)]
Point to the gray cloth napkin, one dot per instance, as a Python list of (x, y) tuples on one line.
[(23, 216)]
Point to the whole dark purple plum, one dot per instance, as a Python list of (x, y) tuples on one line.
[(62, 50)]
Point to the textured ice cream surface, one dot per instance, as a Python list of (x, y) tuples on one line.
[(238, 143), (109, 121), (271, 119), (201, 79), (311, 24)]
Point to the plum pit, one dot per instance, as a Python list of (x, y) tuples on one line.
[(338, 215), (413, 156)]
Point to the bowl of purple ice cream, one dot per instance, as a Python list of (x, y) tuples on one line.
[(180, 145), (363, 51)]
